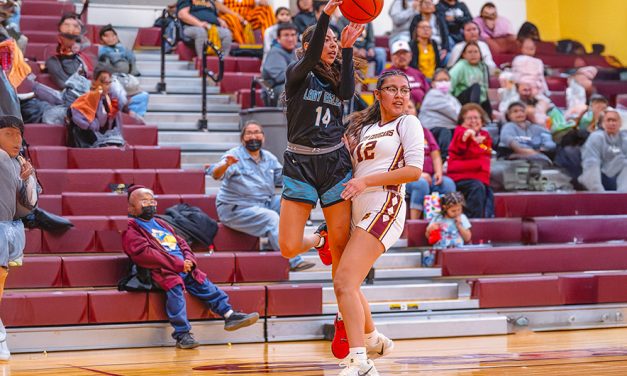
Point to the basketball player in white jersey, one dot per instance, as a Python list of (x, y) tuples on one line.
[(387, 148)]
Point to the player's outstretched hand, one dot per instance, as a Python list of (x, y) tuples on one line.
[(351, 33), (329, 9)]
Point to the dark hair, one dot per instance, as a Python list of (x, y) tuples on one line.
[(283, 27), (512, 105), (528, 30), (248, 124), (100, 69), (468, 44), (471, 107), (317, 5), (106, 28), (487, 5), (372, 114), (301, 9), (69, 15), (598, 98), (441, 70), (450, 199), (280, 9), (470, 22)]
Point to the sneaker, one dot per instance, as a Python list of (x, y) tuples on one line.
[(5, 354), (339, 346), (383, 347), (355, 368), (239, 320), (17, 262), (303, 265), (324, 252), (186, 341)]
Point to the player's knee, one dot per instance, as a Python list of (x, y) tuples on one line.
[(289, 247)]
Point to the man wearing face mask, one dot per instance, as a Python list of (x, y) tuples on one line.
[(152, 244), (247, 201), (68, 60)]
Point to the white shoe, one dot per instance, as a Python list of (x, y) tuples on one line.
[(5, 354), (355, 368), (383, 347)]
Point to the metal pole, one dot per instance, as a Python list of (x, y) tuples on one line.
[(161, 87), (202, 123)]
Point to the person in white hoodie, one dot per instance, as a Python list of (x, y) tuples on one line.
[(402, 12)]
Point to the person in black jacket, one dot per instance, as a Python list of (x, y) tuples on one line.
[(439, 30), (305, 17), (456, 14)]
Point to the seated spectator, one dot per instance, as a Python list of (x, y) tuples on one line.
[(68, 60), (201, 18), (402, 12), (537, 105), (491, 25), (440, 110), (94, 118), (604, 156), (456, 14), (10, 23), (579, 88), (432, 179), (401, 58), (528, 30), (528, 68), (279, 57), (305, 17), (471, 34), (364, 46), (283, 16), (247, 201), (469, 78), (425, 55), (439, 30), (521, 139), (257, 13), (469, 162), (152, 244), (452, 227), (589, 120)]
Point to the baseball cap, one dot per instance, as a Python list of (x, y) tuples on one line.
[(399, 45)]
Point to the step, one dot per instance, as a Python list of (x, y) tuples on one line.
[(412, 305), (189, 99), (170, 65), (203, 147), (199, 159), (154, 55), (389, 260), (230, 138), (400, 273), (401, 292), (180, 81), (190, 107), (188, 121), (171, 73)]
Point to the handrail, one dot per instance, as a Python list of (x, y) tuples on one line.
[(202, 122), (161, 86)]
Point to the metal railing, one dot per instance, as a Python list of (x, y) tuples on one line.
[(202, 122), (161, 86)]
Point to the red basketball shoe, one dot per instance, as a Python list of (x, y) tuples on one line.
[(339, 346), (324, 252)]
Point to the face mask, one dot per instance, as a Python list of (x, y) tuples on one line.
[(148, 212), (443, 86), (253, 145)]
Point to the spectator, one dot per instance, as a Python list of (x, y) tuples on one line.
[(440, 110), (283, 16), (432, 179), (579, 88), (604, 156), (402, 12), (95, 118), (521, 139), (589, 120), (452, 225), (364, 46), (439, 31), (10, 23), (469, 78), (425, 54), (279, 57), (305, 17), (68, 60), (469, 162), (456, 14), (537, 105), (152, 244), (401, 58), (491, 25), (238, 13), (528, 30), (199, 18), (18, 193), (247, 201), (528, 68), (471, 34)]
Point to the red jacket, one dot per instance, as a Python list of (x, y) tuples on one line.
[(469, 160), (145, 251)]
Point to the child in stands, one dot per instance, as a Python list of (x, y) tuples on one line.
[(451, 228)]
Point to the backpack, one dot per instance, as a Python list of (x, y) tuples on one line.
[(191, 223), (137, 279)]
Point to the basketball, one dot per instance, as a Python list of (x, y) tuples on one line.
[(361, 11)]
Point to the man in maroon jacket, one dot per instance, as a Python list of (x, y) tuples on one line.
[(152, 244)]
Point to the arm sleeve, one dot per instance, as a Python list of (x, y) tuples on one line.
[(29, 194), (456, 52), (58, 75), (229, 171), (507, 135), (487, 57), (413, 141), (81, 121), (347, 86), (369, 36), (591, 163), (274, 68), (296, 73), (547, 140), (443, 32), (143, 253), (465, 222)]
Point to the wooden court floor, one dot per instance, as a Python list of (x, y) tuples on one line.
[(584, 352)]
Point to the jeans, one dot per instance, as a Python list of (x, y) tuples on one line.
[(417, 190), (479, 198), (12, 241), (379, 58), (175, 306), (138, 103), (259, 220), (199, 35), (473, 95), (443, 136)]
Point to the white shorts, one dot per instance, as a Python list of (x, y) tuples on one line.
[(381, 214)]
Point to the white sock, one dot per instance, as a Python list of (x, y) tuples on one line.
[(228, 314), (359, 354), (372, 338), (320, 242)]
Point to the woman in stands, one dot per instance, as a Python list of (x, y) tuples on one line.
[(387, 148), (469, 78)]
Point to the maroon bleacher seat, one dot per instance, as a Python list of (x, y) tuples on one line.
[(44, 308), (621, 101), (248, 64), (107, 157), (127, 119), (45, 36), (148, 37), (557, 60), (596, 60), (94, 271), (235, 81), (145, 177), (243, 98), (294, 300), (112, 306), (204, 202), (185, 52), (157, 157), (36, 272), (533, 259), (141, 135), (33, 241), (500, 59), (46, 8), (230, 64), (556, 83), (493, 230), (545, 48), (522, 204), (51, 203), (261, 267), (559, 98), (219, 267), (581, 229), (382, 41), (609, 287), (610, 89), (180, 181), (166, 201), (48, 156), (94, 204), (517, 292), (578, 288), (228, 240), (45, 134), (73, 240), (57, 181), (46, 79), (40, 51)]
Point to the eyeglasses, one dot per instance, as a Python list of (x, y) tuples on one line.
[(254, 133), (148, 202), (107, 82), (393, 90), (472, 117)]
